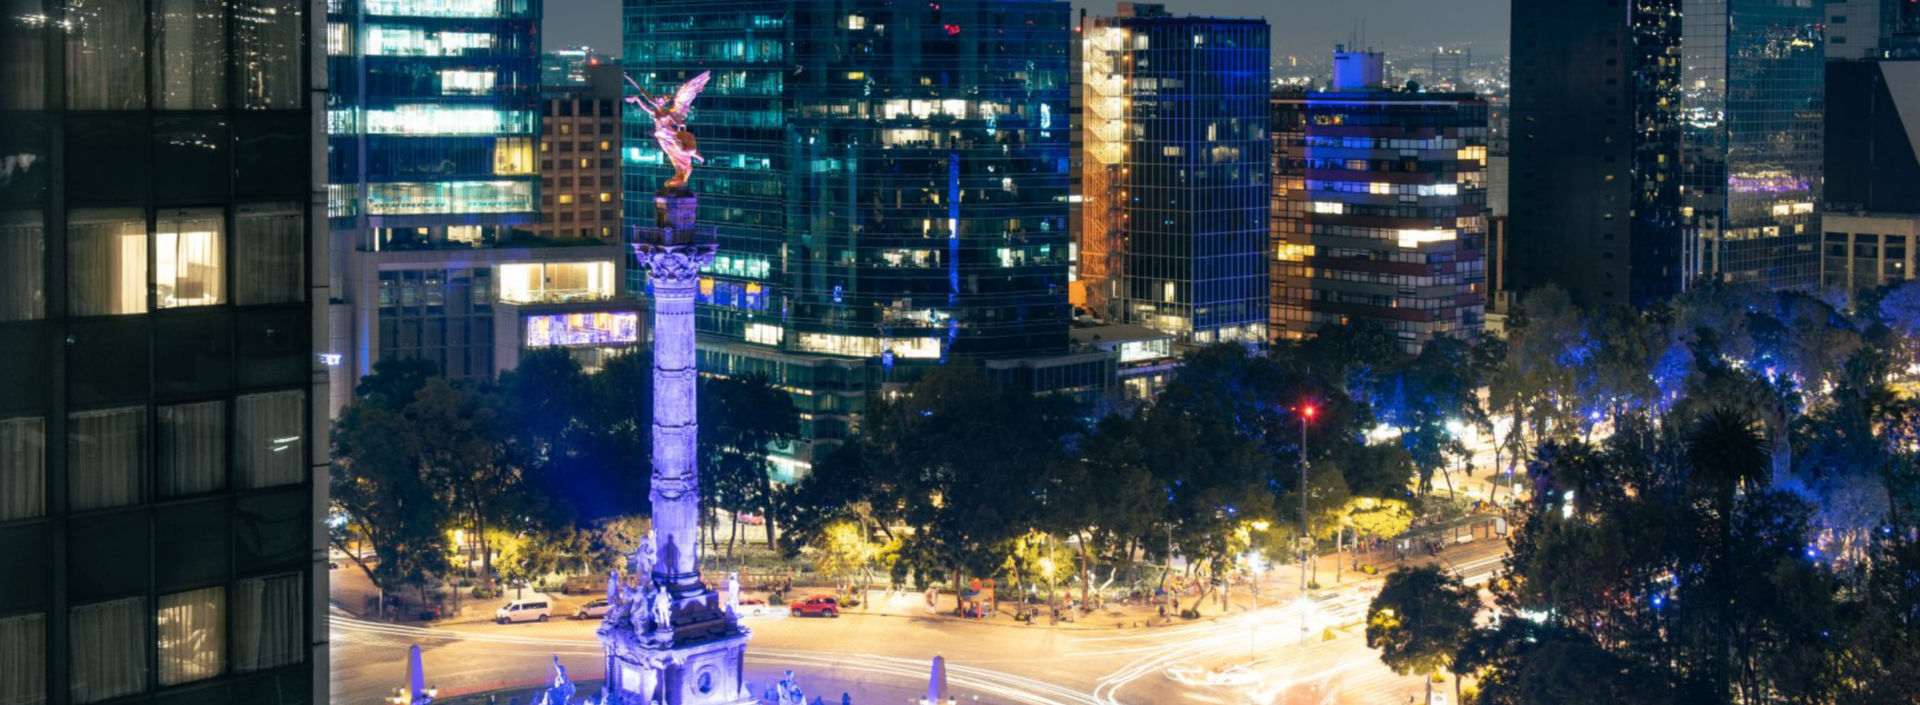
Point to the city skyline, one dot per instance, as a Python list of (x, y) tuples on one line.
[(1301, 28)]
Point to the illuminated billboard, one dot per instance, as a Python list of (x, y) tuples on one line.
[(576, 329)]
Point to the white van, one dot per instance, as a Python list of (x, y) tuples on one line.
[(523, 611)]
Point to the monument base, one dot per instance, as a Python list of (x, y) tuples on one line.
[(704, 673)]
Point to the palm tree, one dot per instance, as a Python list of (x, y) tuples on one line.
[(1726, 452)]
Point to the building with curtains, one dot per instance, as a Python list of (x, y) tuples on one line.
[(1173, 180), (889, 182), (162, 452), (1379, 208)]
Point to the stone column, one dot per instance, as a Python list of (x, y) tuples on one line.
[(673, 255)]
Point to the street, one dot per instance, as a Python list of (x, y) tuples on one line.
[(1245, 657)]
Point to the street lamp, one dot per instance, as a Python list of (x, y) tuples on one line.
[(1307, 412)]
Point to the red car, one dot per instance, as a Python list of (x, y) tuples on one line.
[(816, 606)]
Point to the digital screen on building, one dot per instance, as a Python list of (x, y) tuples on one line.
[(576, 329)]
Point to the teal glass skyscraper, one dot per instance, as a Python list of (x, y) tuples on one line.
[(1753, 97), (889, 182)]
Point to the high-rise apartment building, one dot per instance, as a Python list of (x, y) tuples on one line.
[(1173, 173), (1380, 208), (434, 154), (1662, 142), (889, 182), (580, 156), (162, 453)]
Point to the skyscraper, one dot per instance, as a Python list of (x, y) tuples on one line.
[(435, 161), (889, 182), (1676, 139), (1174, 173), (1380, 208), (161, 453), (1753, 93), (1594, 138)]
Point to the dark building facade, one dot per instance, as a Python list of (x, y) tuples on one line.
[(1381, 210), (1174, 173), (1662, 142), (889, 182), (1872, 144), (1594, 199), (161, 458)]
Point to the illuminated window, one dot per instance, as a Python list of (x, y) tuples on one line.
[(192, 630), (555, 281), (566, 198), (188, 259), (585, 162), (461, 82), (513, 156), (566, 129), (1328, 207), (856, 22), (605, 145), (448, 120), (435, 8), (447, 197)]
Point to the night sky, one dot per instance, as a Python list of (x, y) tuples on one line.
[(1302, 27)]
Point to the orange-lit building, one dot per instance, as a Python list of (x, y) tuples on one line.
[(580, 156)]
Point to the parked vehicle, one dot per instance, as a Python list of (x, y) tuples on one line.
[(523, 611), (754, 607), (816, 606), (596, 608), (584, 585)]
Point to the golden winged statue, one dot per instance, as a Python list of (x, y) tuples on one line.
[(670, 124)]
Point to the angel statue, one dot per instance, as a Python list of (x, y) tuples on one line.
[(670, 125)]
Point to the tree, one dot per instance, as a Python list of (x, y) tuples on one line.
[(1419, 621), (844, 552), (463, 455), (377, 491), (741, 421)]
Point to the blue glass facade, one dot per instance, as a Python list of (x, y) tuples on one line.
[(432, 115), (1753, 96), (1175, 174)]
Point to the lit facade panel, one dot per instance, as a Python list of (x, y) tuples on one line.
[(875, 213), (1175, 174), (1379, 201), (426, 96)]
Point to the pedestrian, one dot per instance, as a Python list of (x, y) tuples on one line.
[(1163, 609)]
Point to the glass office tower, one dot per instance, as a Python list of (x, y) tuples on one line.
[(1753, 96), (160, 457), (432, 116), (889, 182), (1174, 180)]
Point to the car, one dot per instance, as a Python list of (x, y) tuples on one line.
[(816, 606), (584, 584), (596, 608), (523, 611), (753, 607)]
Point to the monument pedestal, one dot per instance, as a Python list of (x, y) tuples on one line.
[(677, 645)]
